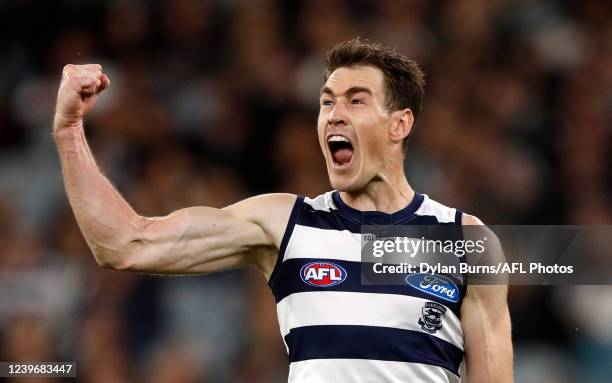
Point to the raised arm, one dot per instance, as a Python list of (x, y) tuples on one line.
[(191, 240), (487, 329)]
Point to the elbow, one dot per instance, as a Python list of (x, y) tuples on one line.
[(103, 262), (111, 264), (107, 265), (120, 252), (119, 258)]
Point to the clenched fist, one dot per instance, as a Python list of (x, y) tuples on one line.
[(80, 86)]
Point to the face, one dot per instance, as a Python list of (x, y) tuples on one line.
[(353, 126)]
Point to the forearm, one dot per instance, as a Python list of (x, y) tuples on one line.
[(487, 329), (493, 362), (107, 221)]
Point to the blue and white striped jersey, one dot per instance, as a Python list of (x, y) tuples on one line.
[(350, 332)]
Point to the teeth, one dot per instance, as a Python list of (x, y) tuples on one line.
[(337, 139)]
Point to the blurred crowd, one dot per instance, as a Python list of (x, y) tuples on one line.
[(214, 101)]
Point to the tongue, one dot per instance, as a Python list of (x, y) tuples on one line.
[(342, 156)]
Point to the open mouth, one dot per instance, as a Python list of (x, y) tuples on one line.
[(341, 150)]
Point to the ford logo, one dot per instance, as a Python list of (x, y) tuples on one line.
[(436, 285)]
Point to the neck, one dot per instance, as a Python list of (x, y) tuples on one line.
[(384, 193)]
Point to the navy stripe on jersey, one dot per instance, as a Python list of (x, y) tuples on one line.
[(458, 216), (369, 342), (335, 220), (298, 207), (377, 217), (288, 282)]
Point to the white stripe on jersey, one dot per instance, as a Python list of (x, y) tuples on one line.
[(324, 202), (429, 207), (312, 242), (371, 371), (443, 214), (365, 309)]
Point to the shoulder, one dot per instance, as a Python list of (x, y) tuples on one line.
[(493, 294), (265, 209), (270, 200), (269, 211), (468, 219)]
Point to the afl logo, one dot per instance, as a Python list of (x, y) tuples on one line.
[(322, 274)]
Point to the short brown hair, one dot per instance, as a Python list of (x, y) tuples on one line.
[(404, 80)]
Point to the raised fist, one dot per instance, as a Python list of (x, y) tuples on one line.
[(77, 93)]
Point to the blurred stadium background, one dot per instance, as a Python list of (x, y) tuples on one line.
[(215, 101)]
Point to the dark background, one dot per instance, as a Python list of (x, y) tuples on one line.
[(211, 102)]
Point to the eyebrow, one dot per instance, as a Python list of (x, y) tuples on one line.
[(350, 91)]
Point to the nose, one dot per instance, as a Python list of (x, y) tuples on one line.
[(338, 114)]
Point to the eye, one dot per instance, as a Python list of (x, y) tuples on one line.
[(357, 101), (326, 102)]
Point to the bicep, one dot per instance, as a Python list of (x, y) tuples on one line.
[(200, 240), (195, 240)]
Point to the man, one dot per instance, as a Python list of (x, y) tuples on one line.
[(341, 331)]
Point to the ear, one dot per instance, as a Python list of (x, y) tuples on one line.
[(402, 125)]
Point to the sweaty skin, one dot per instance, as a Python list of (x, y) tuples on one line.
[(199, 240)]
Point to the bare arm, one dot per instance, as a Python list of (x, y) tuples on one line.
[(487, 330), (191, 240)]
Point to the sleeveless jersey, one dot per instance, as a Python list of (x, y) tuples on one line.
[(345, 331)]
